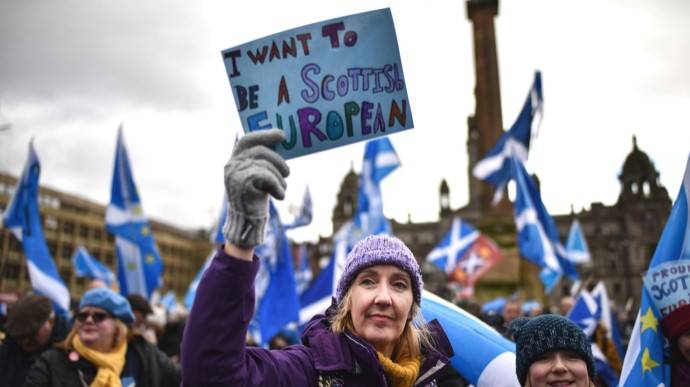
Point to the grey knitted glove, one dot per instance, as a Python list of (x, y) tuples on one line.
[(253, 172)]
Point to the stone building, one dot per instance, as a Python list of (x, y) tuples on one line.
[(622, 237), (70, 221)]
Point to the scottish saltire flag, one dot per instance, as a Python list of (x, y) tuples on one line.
[(605, 372), (303, 274), (22, 217), (482, 356), (216, 235), (380, 160), (276, 293), (317, 297), (644, 363), (494, 306), (169, 302), (608, 318), (495, 166), (85, 265), (586, 312), (538, 238), (217, 238), (454, 245), (576, 245), (305, 214), (191, 290), (139, 265)]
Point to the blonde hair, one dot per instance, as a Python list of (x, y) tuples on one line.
[(413, 338), (122, 333)]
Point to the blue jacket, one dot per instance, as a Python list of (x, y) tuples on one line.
[(214, 351)]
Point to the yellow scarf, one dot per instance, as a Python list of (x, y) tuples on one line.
[(110, 364), (402, 373)]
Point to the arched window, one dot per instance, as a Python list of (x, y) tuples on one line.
[(646, 189)]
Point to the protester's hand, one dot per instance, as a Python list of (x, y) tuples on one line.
[(254, 171)]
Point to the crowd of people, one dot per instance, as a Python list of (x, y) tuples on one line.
[(109, 341), (373, 333)]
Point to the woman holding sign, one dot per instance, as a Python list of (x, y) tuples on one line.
[(372, 335)]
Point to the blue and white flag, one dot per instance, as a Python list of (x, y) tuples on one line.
[(317, 297), (380, 160), (216, 235), (169, 302), (494, 306), (22, 216), (85, 265), (303, 274), (276, 293), (305, 215), (191, 290), (644, 363), (139, 265), (538, 238), (453, 246), (495, 166), (586, 312), (576, 246), (482, 356), (217, 238), (608, 317)]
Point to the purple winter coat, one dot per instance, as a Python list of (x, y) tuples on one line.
[(214, 351)]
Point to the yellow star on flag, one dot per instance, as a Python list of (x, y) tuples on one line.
[(145, 231), (649, 321), (149, 259), (647, 362)]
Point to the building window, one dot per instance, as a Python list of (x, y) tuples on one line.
[(68, 227), (616, 288), (83, 231), (51, 223), (97, 233), (67, 251)]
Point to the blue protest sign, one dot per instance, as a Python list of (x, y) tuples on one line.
[(326, 84), (669, 285)]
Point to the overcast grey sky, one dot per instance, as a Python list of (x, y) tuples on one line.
[(71, 71)]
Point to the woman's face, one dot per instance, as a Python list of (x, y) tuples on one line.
[(96, 328), (684, 345), (558, 368), (381, 301)]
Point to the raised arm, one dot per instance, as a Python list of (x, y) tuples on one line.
[(213, 345)]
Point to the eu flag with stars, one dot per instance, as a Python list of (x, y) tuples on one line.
[(139, 265), (645, 361)]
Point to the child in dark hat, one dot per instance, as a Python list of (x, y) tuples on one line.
[(552, 349)]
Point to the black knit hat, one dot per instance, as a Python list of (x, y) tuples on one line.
[(539, 335)]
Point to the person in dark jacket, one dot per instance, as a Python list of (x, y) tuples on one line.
[(32, 327), (101, 351), (551, 350), (676, 328), (372, 335)]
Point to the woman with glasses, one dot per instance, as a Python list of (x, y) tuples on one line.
[(101, 350)]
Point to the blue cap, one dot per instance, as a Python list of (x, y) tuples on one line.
[(110, 301)]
